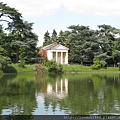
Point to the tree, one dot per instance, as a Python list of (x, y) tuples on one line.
[(54, 36), (14, 18), (23, 44), (20, 42), (86, 44), (61, 38), (107, 41), (79, 42), (47, 39)]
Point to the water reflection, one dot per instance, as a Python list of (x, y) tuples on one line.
[(17, 95), (59, 90), (81, 94)]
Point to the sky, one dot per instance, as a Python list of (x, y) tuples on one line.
[(60, 14)]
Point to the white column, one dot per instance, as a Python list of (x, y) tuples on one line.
[(61, 57), (56, 57), (66, 58)]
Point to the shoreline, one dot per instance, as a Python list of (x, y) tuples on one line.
[(65, 73), (18, 73)]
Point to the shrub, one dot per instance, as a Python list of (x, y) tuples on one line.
[(22, 63), (52, 66), (99, 64), (96, 64), (4, 61), (40, 69), (59, 68), (103, 64), (118, 65)]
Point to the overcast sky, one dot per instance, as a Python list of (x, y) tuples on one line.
[(60, 14)]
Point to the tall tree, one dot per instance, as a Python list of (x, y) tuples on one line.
[(20, 43), (107, 41), (11, 16), (23, 44), (47, 39), (80, 40), (54, 36)]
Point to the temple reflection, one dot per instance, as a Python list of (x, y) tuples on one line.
[(58, 90)]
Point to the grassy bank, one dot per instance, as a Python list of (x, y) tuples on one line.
[(79, 68), (14, 68)]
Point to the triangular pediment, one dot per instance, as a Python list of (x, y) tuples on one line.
[(59, 47), (55, 47)]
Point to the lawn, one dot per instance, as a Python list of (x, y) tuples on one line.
[(14, 68), (80, 68)]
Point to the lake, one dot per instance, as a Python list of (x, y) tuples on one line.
[(67, 94)]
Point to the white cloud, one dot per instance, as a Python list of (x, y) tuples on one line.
[(48, 7), (94, 7), (35, 7)]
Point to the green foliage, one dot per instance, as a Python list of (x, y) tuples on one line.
[(4, 60), (14, 68), (14, 18), (40, 69), (1, 72), (86, 44), (103, 64), (99, 64), (20, 42), (118, 65), (96, 64), (22, 63), (52, 66), (59, 68), (10, 69)]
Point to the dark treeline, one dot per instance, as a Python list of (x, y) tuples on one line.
[(85, 44)]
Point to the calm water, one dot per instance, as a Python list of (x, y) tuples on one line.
[(81, 94)]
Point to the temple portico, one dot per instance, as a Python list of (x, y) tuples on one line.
[(56, 52)]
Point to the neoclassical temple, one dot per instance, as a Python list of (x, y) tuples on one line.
[(56, 52)]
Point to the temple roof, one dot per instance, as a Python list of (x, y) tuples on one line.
[(54, 46)]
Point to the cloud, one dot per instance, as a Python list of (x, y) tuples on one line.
[(49, 7), (35, 7), (94, 7)]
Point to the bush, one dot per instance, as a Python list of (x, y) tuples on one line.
[(99, 64), (52, 66), (9, 69), (103, 64), (59, 68), (40, 69), (118, 66), (4, 61), (22, 63), (96, 64)]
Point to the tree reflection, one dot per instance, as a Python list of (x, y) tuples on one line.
[(92, 94), (17, 95)]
